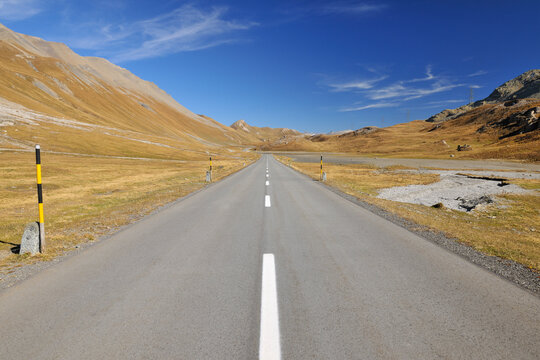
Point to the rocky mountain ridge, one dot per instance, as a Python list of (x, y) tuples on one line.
[(505, 125), (524, 86)]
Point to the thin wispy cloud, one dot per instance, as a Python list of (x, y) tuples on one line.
[(185, 29), (396, 93), (370, 106), (19, 9), (355, 85), (349, 8), (478, 73), (440, 104), (329, 8), (409, 93), (444, 102), (429, 76)]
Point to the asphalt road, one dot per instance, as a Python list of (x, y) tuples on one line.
[(338, 283)]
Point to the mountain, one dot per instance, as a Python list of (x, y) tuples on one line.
[(525, 86), (264, 134), (505, 125), (70, 103)]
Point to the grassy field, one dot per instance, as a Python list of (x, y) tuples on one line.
[(509, 230), (421, 139), (86, 197)]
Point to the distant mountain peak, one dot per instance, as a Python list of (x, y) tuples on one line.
[(241, 125), (524, 86)]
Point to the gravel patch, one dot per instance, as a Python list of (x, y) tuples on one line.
[(457, 192), (486, 173)]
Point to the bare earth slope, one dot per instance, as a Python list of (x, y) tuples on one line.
[(70, 103)]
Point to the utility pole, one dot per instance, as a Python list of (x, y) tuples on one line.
[(408, 115), (382, 122), (471, 97)]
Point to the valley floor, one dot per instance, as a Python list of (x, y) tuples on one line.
[(86, 198)]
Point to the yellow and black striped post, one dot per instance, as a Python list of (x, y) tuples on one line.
[(321, 177), (40, 201)]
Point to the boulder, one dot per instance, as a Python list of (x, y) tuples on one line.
[(470, 203), (30, 239)]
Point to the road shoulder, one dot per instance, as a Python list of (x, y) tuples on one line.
[(507, 269)]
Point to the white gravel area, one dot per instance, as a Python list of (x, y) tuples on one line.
[(486, 173), (456, 192)]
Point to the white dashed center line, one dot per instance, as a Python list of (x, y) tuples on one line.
[(267, 201), (267, 182), (269, 346)]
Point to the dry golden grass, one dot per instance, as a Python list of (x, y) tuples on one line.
[(421, 139), (509, 230), (85, 198), (102, 105)]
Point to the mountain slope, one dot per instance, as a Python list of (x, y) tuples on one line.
[(524, 86), (70, 103), (503, 125), (264, 134)]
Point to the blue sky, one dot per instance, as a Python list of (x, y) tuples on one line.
[(315, 66)]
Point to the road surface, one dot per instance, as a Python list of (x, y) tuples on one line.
[(267, 267)]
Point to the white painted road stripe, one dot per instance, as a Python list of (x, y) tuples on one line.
[(269, 347), (267, 201), (267, 182), (267, 175)]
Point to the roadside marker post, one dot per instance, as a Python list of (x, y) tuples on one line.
[(209, 172), (40, 201), (321, 176)]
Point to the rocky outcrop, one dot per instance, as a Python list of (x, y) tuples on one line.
[(525, 86), (517, 123), (464, 147), (240, 125), (363, 131)]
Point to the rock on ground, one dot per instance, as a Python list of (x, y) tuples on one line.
[(30, 239)]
